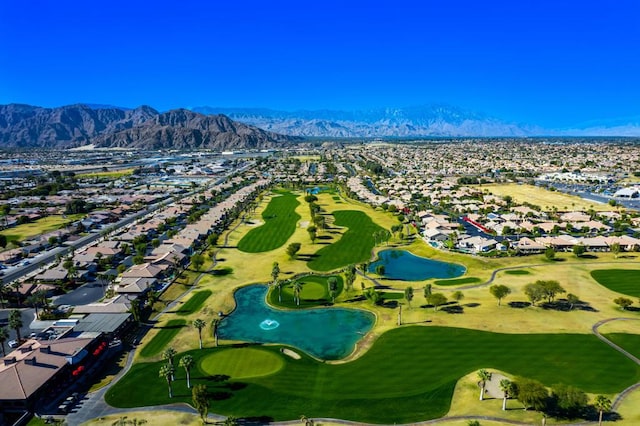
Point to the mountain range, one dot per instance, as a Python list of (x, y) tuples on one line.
[(411, 122), (25, 126)]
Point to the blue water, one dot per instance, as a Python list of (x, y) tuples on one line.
[(402, 265), (323, 333)]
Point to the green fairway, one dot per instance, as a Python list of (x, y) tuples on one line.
[(315, 292), (457, 281), (625, 281), (164, 336), (628, 342), (194, 303), (408, 375), (280, 220), (517, 272), (355, 245), (242, 363)]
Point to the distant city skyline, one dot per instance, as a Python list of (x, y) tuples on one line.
[(542, 63)]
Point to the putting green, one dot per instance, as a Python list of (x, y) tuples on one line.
[(625, 281), (310, 290), (315, 292), (242, 363)]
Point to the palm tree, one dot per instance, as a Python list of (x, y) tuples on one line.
[(168, 355), (275, 271), (167, 371), (214, 329), (33, 300), (199, 324), (506, 386), (4, 336), (3, 292), (297, 288), (279, 284), (186, 362), (602, 404), (15, 322), (484, 376)]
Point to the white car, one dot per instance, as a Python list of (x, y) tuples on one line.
[(13, 343)]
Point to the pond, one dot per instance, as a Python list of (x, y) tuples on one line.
[(326, 333), (403, 265)]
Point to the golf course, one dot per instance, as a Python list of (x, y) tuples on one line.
[(412, 364)]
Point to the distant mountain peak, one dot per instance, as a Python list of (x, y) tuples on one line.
[(26, 126)]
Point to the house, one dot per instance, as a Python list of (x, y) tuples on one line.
[(38, 369), (436, 234), (526, 245), (52, 275), (135, 286), (477, 244), (144, 270)]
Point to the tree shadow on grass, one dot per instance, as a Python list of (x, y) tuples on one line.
[(391, 304), (628, 256), (472, 305), (632, 309), (564, 306), (171, 327), (256, 420), (355, 299), (453, 309), (324, 237), (588, 256), (519, 305)]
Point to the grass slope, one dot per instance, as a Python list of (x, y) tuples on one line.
[(408, 375), (194, 303), (164, 336), (623, 281), (457, 281), (355, 245), (280, 221)]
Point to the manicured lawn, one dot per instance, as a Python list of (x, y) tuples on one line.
[(164, 336), (280, 220), (625, 281), (408, 375), (457, 281), (628, 342), (242, 363), (194, 303), (315, 292), (354, 246), (40, 226)]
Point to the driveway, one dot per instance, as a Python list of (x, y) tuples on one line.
[(86, 293)]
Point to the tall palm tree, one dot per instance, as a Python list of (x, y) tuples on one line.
[(506, 386), (167, 371), (186, 362), (275, 271), (4, 336), (168, 355), (484, 376), (199, 324), (15, 322), (214, 329), (602, 404), (279, 284), (33, 300), (3, 292), (297, 288)]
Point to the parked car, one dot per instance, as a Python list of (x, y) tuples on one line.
[(13, 344)]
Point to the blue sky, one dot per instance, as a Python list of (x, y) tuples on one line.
[(551, 63)]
